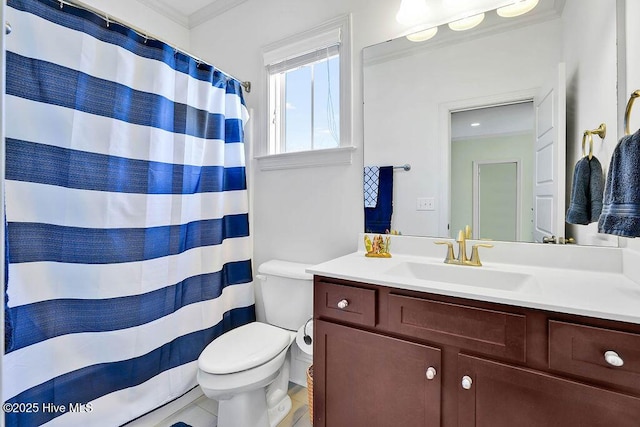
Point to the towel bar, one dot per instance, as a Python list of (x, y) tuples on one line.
[(627, 112), (406, 167)]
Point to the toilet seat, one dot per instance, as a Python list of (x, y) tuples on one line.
[(243, 348)]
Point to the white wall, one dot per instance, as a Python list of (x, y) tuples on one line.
[(633, 58), (306, 215), (140, 16), (592, 92)]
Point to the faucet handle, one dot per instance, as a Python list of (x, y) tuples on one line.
[(475, 258), (450, 256)]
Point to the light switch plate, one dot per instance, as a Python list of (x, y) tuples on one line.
[(425, 204)]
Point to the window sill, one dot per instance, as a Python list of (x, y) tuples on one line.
[(307, 159)]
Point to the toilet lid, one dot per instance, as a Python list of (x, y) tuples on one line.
[(243, 348)]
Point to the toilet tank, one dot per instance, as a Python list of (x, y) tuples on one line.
[(287, 292)]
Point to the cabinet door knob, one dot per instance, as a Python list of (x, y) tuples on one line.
[(342, 304), (613, 359), (431, 373), (466, 382)]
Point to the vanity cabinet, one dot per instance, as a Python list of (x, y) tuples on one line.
[(501, 395), (374, 380), (391, 357)]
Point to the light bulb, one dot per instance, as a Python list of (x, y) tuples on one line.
[(424, 35), (412, 12), (516, 9), (467, 23)]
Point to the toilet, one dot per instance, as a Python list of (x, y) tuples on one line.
[(247, 369)]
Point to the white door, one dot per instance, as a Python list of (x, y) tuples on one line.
[(549, 157)]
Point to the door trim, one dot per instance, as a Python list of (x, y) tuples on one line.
[(445, 110)]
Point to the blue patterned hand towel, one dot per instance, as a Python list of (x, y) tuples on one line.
[(586, 192), (621, 210), (371, 184), (378, 219)]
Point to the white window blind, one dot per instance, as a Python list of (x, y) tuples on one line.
[(326, 39)]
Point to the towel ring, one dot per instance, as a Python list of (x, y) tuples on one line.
[(584, 137), (627, 112), (601, 131)]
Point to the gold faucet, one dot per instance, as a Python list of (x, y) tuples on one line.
[(462, 259), (462, 247)]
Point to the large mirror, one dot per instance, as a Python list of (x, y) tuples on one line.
[(491, 121)]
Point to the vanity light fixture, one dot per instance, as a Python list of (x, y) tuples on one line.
[(412, 12), (467, 23), (517, 8), (475, 124), (424, 35)]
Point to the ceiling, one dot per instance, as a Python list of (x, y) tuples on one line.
[(492, 121), (191, 13)]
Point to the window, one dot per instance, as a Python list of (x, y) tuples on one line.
[(305, 102), (309, 96)]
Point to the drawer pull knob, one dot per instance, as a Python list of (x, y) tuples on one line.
[(431, 373), (342, 304), (613, 359), (466, 382)]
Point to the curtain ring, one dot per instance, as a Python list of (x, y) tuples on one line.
[(584, 138)]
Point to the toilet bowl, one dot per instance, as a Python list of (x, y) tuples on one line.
[(247, 369)]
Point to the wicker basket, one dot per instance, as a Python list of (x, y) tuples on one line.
[(310, 391)]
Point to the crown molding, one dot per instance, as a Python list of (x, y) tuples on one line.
[(167, 11), (212, 10), (200, 16)]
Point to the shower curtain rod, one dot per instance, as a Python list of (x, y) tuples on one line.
[(76, 3)]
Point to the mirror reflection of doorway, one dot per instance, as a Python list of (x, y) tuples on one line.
[(492, 158), (496, 200)]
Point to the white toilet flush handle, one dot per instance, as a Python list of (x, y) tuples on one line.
[(342, 304)]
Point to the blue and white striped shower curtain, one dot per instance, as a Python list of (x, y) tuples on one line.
[(127, 215)]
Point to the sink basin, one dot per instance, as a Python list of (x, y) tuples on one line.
[(464, 275)]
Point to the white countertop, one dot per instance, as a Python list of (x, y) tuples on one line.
[(604, 293)]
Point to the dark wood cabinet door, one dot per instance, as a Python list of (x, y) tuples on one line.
[(504, 395), (362, 379)]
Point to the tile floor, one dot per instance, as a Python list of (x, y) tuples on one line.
[(202, 412)]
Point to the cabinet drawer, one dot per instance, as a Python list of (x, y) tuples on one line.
[(475, 329), (345, 303), (580, 350)]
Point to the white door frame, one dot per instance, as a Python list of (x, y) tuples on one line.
[(476, 194), (445, 110)]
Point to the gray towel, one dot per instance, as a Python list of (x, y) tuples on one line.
[(621, 210), (586, 192)]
